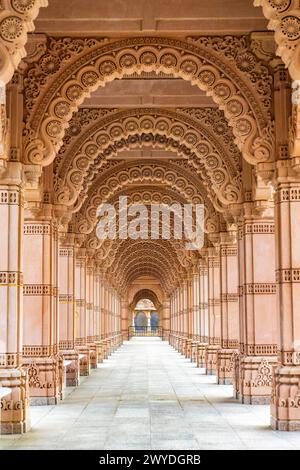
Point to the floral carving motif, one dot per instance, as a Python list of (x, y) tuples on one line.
[(210, 63), (115, 178), (16, 20), (264, 375), (196, 143), (284, 16)]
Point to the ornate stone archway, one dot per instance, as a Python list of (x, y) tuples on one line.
[(219, 68), (198, 142)]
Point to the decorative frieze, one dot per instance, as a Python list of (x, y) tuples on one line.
[(37, 229), (230, 343), (288, 275), (9, 197), (13, 279), (258, 288), (290, 358), (259, 349), (229, 297), (66, 298), (66, 252), (38, 351), (66, 344), (288, 195), (259, 228), (228, 251), (10, 360), (38, 290), (213, 263)]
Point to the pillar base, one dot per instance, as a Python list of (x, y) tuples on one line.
[(99, 351), (201, 352), (194, 350), (225, 362), (44, 401), (93, 355), (285, 405), (188, 349), (211, 356), (84, 361), (73, 370), (253, 379), (14, 410), (45, 379)]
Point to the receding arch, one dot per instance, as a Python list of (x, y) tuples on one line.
[(152, 173), (146, 294), (177, 132), (202, 61)]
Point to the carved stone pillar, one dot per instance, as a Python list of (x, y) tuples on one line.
[(258, 325), (203, 314), (172, 317), (214, 311), (97, 320), (229, 307), (108, 311), (185, 309), (181, 318), (40, 350), (90, 306), (90, 287), (285, 405), (189, 300), (124, 318), (166, 318), (196, 304), (80, 297), (14, 415), (204, 319), (177, 310), (104, 309), (67, 314)]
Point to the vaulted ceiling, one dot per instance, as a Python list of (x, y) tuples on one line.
[(177, 115)]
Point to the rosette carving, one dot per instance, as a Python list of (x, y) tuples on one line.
[(200, 144), (244, 97), (16, 21), (284, 16)]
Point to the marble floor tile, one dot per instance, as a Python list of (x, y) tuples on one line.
[(147, 396)]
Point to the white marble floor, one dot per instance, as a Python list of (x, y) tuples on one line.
[(147, 396)]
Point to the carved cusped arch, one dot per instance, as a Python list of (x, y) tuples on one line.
[(16, 21), (127, 175), (159, 258), (146, 294), (151, 195), (220, 67), (284, 16), (157, 128)]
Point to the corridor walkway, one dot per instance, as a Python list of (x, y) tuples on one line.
[(147, 396)]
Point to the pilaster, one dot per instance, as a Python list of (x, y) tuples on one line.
[(14, 416)]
